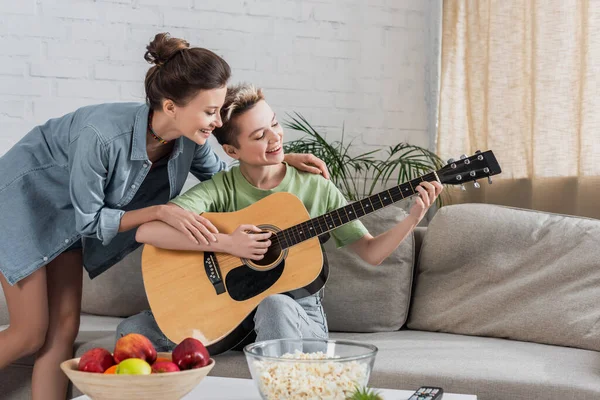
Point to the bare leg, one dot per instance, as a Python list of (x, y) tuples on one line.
[(64, 280), (27, 303)]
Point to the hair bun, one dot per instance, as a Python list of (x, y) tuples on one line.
[(163, 48)]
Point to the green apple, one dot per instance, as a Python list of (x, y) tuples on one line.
[(133, 366)]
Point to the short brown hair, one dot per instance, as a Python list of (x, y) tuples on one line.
[(239, 99), (181, 71)]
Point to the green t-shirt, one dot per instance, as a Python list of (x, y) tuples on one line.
[(229, 191)]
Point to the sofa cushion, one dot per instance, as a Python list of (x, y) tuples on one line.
[(496, 271), (360, 297), (118, 292), (493, 369)]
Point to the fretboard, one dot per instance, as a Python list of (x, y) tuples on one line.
[(336, 218)]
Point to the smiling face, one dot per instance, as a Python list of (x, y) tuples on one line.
[(200, 116), (259, 137)]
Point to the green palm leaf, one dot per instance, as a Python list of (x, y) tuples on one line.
[(358, 176)]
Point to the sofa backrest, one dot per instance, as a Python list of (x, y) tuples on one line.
[(118, 292), (496, 271)]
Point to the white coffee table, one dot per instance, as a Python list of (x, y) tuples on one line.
[(216, 388)]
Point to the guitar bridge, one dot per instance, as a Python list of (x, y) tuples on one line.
[(213, 272)]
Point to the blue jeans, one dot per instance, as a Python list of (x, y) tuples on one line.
[(277, 317)]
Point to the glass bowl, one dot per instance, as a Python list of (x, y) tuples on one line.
[(309, 368)]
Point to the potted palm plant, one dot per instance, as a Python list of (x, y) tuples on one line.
[(358, 176)]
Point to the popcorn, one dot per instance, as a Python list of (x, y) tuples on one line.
[(287, 380)]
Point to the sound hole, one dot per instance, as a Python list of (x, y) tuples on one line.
[(271, 255)]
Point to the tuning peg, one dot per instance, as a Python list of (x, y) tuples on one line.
[(462, 187), (463, 156), (450, 160), (476, 184), (490, 180)]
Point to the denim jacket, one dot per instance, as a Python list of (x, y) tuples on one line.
[(72, 178)]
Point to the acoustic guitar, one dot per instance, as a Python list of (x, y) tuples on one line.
[(212, 296)]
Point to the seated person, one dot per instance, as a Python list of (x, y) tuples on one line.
[(251, 135)]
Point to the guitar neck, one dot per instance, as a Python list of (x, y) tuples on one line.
[(341, 216)]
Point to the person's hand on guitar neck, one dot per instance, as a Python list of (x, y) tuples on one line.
[(376, 249), (428, 193)]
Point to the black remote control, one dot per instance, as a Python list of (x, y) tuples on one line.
[(427, 393)]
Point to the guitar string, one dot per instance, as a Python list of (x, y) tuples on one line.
[(322, 224), (226, 257), (278, 239), (396, 190)]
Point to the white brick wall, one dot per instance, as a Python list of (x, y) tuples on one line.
[(355, 63)]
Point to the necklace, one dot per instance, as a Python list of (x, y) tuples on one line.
[(154, 135)]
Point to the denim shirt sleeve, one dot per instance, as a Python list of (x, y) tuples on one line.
[(206, 163), (89, 169)]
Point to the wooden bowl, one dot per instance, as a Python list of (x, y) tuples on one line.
[(164, 386)]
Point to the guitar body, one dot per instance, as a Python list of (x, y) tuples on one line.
[(212, 296)]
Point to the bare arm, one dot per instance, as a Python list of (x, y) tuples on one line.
[(376, 249), (163, 235), (194, 227), (133, 219), (243, 242)]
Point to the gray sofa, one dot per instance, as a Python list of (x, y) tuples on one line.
[(488, 300)]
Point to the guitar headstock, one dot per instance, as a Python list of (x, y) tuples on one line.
[(467, 169)]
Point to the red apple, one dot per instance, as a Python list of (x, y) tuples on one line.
[(134, 345), (96, 360), (164, 366), (190, 354)]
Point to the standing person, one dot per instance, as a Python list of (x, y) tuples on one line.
[(74, 189)]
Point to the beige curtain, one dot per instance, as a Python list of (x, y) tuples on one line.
[(522, 78)]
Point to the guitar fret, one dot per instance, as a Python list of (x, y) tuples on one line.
[(342, 222), (380, 201), (362, 209), (329, 224), (282, 242), (332, 222), (389, 196), (370, 205), (344, 216), (286, 233), (352, 213), (311, 228), (294, 236), (302, 231), (317, 226)]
